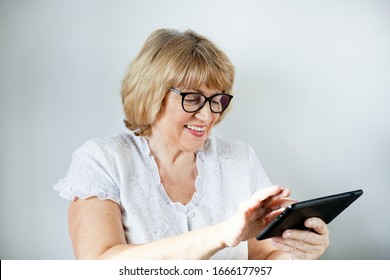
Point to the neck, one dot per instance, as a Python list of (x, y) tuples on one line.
[(177, 169), (167, 155)]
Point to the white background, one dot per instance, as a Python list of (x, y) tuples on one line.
[(312, 96)]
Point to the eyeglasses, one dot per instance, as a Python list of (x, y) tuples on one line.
[(194, 101)]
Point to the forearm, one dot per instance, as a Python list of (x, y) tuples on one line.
[(198, 244)]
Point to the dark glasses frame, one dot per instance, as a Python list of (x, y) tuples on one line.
[(206, 99)]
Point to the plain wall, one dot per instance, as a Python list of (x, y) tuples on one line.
[(312, 96)]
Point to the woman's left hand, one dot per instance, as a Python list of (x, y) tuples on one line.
[(304, 244)]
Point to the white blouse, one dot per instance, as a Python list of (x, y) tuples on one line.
[(121, 168)]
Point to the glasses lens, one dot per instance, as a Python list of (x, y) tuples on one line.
[(193, 101), (220, 102)]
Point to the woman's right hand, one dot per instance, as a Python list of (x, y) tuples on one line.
[(253, 215)]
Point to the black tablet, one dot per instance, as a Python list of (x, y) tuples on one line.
[(327, 208)]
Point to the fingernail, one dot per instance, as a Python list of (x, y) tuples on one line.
[(287, 234)]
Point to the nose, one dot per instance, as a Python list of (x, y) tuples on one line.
[(205, 113)]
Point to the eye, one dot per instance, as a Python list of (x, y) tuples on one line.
[(193, 99), (217, 99)]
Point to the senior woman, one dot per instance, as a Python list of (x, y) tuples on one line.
[(168, 188)]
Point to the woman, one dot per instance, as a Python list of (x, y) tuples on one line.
[(168, 189)]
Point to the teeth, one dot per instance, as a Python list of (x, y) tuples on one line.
[(197, 128)]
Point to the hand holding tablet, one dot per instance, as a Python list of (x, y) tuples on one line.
[(326, 208)]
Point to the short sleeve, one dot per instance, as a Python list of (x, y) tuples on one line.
[(89, 174), (259, 178)]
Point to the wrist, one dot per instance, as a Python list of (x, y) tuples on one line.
[(218, 236), (278, 255)]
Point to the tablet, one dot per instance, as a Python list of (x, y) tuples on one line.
[(293, 217)]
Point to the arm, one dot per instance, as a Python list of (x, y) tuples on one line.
[(97, 233)]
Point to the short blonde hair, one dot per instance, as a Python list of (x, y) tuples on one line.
[(170, 58)]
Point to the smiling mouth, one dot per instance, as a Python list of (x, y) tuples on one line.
[(196, 128)]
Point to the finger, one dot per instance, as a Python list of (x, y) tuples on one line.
[(278, 203), (299, 239), (318, 225), (305, 240), (269, 192), (251, 209), (287, 247), (267, 200), (298, 247), (272, 215)]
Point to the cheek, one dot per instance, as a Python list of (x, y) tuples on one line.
[(215, 118), (180, 119)]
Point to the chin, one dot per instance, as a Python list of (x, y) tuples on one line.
[(193, 147)]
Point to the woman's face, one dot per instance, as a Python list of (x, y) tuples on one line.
[(181, 130)]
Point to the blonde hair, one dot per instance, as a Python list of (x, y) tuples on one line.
[(170, 58)]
